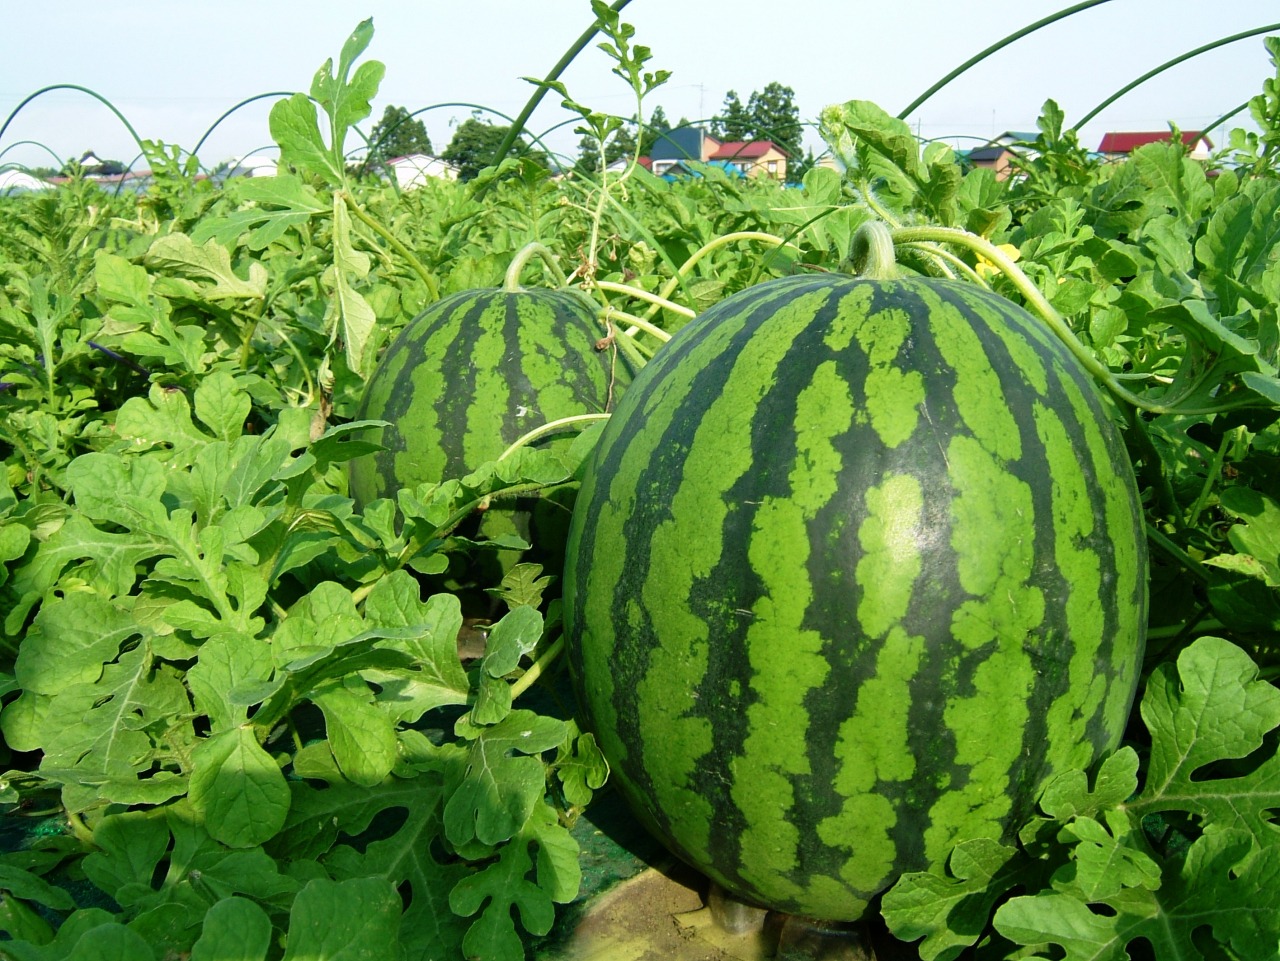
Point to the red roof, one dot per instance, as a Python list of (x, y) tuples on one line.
[(1129, 142), (745, 149)]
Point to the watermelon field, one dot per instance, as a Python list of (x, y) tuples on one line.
[(902, 545)]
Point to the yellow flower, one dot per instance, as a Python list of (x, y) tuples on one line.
[(986, 267)]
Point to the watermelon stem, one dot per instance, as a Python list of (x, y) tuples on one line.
[(872, 252), (537, 668), (712, 245), (511, 282), (621, 342), (1040, 304), (947, 257), (549, 428), (639, 294), (612, 313)]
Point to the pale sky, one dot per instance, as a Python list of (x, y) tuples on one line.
[(171, 67)]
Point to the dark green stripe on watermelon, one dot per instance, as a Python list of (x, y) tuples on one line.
[(856, 568), (473, 373)]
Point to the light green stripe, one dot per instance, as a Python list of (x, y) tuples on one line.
[(542, 336), (645, 413), (682, 553), (978, 394), (873, 743), (484, 438), (1073, 521), (420, 429), (993, 535), (893, 395), (786, 659), (1123, 523)]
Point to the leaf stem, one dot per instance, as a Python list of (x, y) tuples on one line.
[(396, 244), (537, 668), (1176, 630), (645, 295), (624, 341), (549, 428), (1040, 304), (1210, 478), (637, 323), (872, 252), (81, 830), (1161, 540)]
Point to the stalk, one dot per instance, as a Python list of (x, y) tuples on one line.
[(511, 282), (683, 271), (537, 668), (396, 244), (645, 295), (637, 323), (1210, 479), (623, 340), (947, 260), (872, 252), (549, 428), (1040, 304)]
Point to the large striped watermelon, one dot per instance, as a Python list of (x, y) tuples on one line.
[(857, 566), (474, 372)]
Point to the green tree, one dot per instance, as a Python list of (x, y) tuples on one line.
[(734, 121), (774, 116), (474, 144), (397, 134)]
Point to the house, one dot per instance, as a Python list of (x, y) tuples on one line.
[(1012, 138), (678, 145), (1118, 145), (413, 169), (752, 158), (622, 163), (996, 157), (694, 168)]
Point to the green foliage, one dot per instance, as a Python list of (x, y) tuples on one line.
[(397, 134), (733, 122), (621, 146), (246, 698), (474, 146), (1260, 151)]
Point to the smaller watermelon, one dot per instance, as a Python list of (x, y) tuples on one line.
[(473, 373)]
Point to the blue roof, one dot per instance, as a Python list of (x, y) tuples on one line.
[(683, 143)]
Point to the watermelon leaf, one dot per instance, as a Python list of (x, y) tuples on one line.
[(1214, 884), (1212, 708), (951, 913), (235, 929), (506, 884), (505, 779), (344, 921), (1112, 864)]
